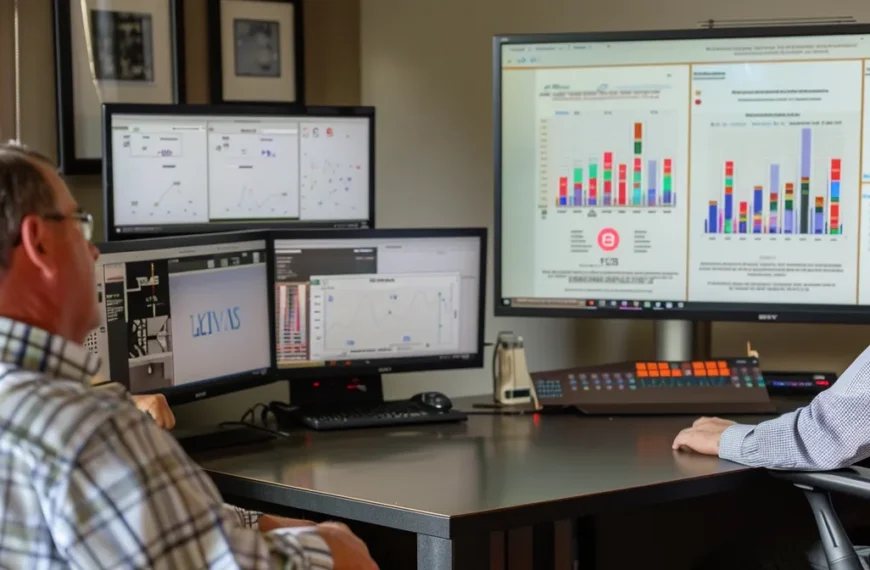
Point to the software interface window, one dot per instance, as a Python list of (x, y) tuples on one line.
[(685, 172), (349, 302), (191, 170), (178, 316)]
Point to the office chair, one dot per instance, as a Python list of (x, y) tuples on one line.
[(817, 487)]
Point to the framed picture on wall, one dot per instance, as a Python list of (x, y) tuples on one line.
[(112, 51), (256, 51)]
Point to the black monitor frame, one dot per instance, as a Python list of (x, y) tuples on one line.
[(229, 110), (209, 387), (694, 311), (418, 364)]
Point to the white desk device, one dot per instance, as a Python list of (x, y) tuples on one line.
[(510, 373)]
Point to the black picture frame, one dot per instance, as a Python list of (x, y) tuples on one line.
[(216, 59), (68, 161)]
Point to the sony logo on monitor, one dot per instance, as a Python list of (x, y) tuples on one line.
[(385, 369), (768, 316), (199, 395), (214, 322)]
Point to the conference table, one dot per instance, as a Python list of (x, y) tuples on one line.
[(453, 487)]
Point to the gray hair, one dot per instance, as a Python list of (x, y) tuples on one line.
[(24, 191)]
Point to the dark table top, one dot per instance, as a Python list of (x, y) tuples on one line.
[(490, 472)]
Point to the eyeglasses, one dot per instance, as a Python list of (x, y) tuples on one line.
[(84, 219)]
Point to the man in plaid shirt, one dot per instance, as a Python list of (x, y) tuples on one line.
[(86, 479)]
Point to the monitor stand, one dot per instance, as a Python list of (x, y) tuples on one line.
[(338, 391), (682, 340), (328, 393)]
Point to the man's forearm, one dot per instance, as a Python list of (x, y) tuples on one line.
[(833, 431)]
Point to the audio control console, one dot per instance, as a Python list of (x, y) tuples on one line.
[(722, 386)]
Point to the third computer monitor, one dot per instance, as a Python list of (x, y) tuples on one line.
[(180, 169), (372, 301), (702, 174)]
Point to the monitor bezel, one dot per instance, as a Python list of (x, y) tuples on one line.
[(748, 312), (208, 388), (109, 110), (417, 364)]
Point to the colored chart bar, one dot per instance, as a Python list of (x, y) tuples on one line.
[(713, 217), (652, 177), (757, 209), (562, 200), (623, 173), (743, 218), (834, 221), (773, 221), (636, 198), (729, 198), (667, 183), (819, 216), (608, 178), (593, 184), (806, 159), (789, 208), (578, 186)]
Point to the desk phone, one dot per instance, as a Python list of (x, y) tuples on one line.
[(723, 386)]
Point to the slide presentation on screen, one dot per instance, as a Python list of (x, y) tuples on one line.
[(704, 173)]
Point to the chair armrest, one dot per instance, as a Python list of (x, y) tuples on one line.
[(853, 481)]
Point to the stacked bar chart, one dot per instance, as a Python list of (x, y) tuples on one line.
[(589, 182), (772, 206)]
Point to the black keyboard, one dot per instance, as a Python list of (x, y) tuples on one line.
[(206, 439), (376, 414)]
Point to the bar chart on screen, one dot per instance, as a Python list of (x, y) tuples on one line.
[(612, 170), (787, 203), (775, 164), (611, 138)]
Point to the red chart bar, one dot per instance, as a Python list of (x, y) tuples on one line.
[(623, 173), (563, 190)]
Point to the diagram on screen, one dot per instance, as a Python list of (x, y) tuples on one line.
[(156, 183), (149, 337), (379, 315), (334, 170), (253, 176)]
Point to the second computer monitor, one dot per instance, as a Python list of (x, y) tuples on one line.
[(355, 302), (181, 169)]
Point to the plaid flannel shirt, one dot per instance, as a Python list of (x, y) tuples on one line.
[(88, 481)]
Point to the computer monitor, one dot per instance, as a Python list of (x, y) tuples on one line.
[(715, 174), (366, 302), (181, 169), (188, 317)]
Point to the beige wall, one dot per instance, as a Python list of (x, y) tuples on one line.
[(426, 66)]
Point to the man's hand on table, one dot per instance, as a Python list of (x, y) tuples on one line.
[(703, 437), (348, 551), (156, 406)]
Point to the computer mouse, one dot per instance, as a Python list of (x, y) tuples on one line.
[(434, 400)]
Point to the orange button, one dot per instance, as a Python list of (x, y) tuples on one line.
[(697, 365), (723, 364), (640, 366), (665, 373), (700, 373), (642, 373), (676, 372), (654, 373), (663, 366)]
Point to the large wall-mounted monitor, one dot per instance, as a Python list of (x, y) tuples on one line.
[(188, 317), (716, 174), (181, 169), (350, 302)]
